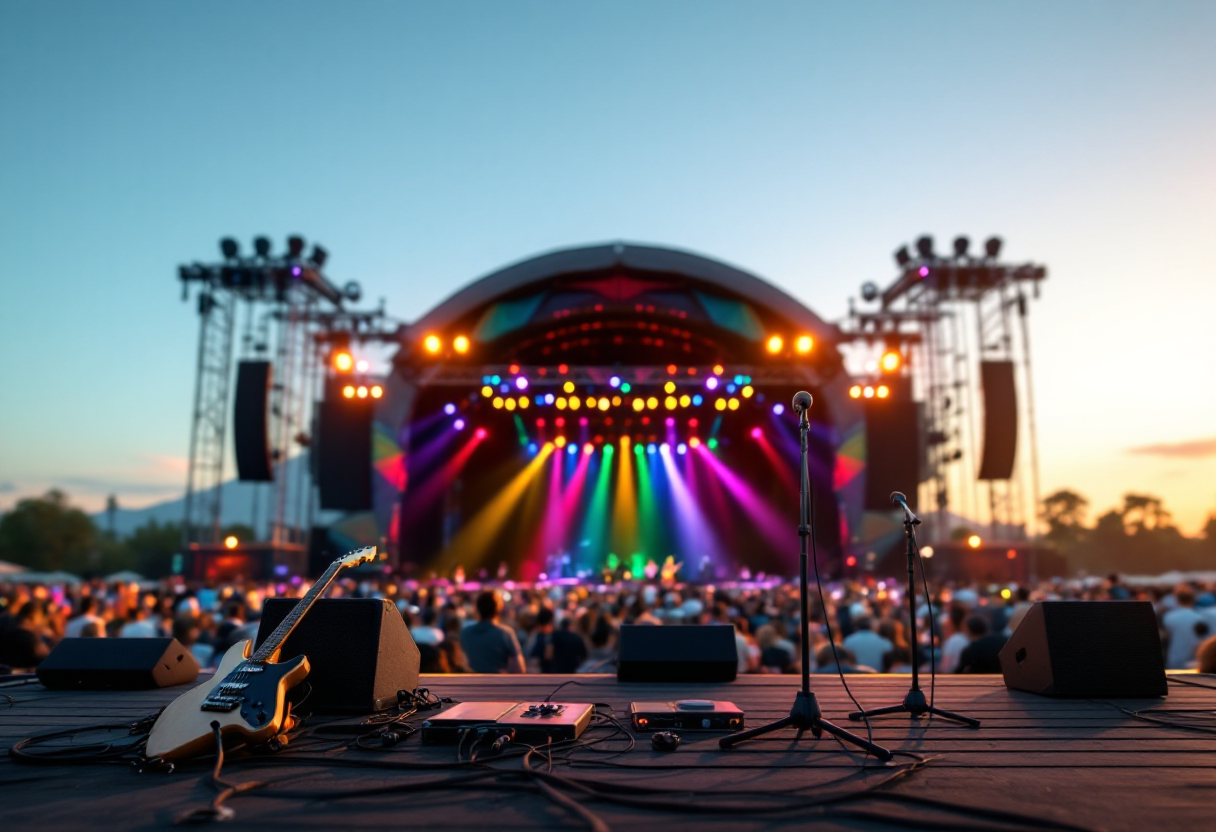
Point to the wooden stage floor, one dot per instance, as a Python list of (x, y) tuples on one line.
[(1083, 765)]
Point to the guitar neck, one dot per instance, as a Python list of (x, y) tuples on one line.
[(275, 640)]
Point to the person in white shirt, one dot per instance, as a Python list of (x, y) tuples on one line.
[(867, 646), (1180, 624), (138, 625), (79, 627)]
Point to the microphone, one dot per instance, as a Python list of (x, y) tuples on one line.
[(898, 499), (802, 402)]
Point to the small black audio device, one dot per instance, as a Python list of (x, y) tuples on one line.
[(686, 715), (532, 722)]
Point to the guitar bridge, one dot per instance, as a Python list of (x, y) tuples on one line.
[(221, 703)]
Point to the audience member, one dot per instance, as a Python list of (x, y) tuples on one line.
[(490, 646)]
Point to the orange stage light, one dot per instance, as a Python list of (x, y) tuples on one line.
[(974, 541), (883, 391), (774, 344), (343, 362), (804, 344), (432, 344), (377, 391), (361, 392), (230, 542), (855, 391), (348, 391), (461, 344), (890, 361)]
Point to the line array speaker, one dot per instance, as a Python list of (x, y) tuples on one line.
[(893, 452), (250, 435), (1000, 420), (344, 454)]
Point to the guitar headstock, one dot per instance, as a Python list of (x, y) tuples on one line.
[(365, 555)]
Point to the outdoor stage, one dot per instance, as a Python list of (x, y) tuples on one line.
[(1069, 764)]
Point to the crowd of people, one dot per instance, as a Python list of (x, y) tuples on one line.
[(572, 627)]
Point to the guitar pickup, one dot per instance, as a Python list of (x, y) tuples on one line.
[(218, 705), (234, 685)]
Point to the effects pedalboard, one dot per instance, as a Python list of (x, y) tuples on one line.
[(686, 715), (532, 722)]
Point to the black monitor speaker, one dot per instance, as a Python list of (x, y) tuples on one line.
[(694, 653), (250, 437), (1086, 649), (117, 664), (360, 651)]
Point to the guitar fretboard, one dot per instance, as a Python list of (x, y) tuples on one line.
[(275, 640)]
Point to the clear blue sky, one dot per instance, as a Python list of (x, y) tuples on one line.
[(427, 144)]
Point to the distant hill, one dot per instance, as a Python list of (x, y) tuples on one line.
[(251, 504)]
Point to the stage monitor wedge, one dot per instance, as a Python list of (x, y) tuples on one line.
[(1000, 420), (360, 651), (1087, 650), (251, 441), (117, 664), (692, 653)]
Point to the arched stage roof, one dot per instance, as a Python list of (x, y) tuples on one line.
[(668, 262)]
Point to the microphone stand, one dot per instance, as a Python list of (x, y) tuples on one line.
[(805, 713), (914, 704)]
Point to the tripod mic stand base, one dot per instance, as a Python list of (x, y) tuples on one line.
[(804, 716), (915, 706)]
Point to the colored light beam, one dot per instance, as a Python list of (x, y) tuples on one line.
[(595, 525), (469, 546), (777, 529), (694, 538), (789, 478), (648, 515), (625, 503)]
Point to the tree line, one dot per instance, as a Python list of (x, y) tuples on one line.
[(1138, 537), (48, 534)]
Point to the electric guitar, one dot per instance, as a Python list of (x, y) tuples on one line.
[(247, 695)]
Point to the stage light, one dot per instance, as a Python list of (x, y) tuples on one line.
[(607, 450), (572, 450), (261, 247), (562, 369), (616, 401), (670, 402), (568, 387), (230, 542), (343, 362), (540, 400), (992, 247), (681, 449), (497, 403), (504, 388), (1006, 594), (583, 421), (540, 423), (731, 388), (524, 401), (652, 402), (449, 408), (672, 369), (560, 421), (531, 446), (692, 423), (733, 404), (487, 391), (625, 441), (230, 248), (638, 449), (850, 561), (757, 433), (694, 442), (804, 344), (923, 271), (902, 257), (720, 404), (603, 403), (719, 369), (561, 404), (1012, 555), (591, 402), (890, 361), (868, 392), (685, 400), (362, 365), (711, 383), (614, 382), (377, 391), (638, 404), (778, 409), (295, 247), (513, 369), (495, 379), (924, 247), (432, 344), (747, 391), (625, 387), (670, 421), (774, 344), (588, 449), (712, 443), (975, 541), (521, 383), (348, 391), (669, 387), (458, 424), (926, 551), (574, 402), (361, 392), (549, 398), (961, 244), (665, 449), (509, 404), (652, 448), (883, 391), (855, 391), (560, 441)]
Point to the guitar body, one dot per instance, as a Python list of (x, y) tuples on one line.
[(247, 699)]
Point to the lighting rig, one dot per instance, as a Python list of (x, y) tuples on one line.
[(288, 313), (924, 336)]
